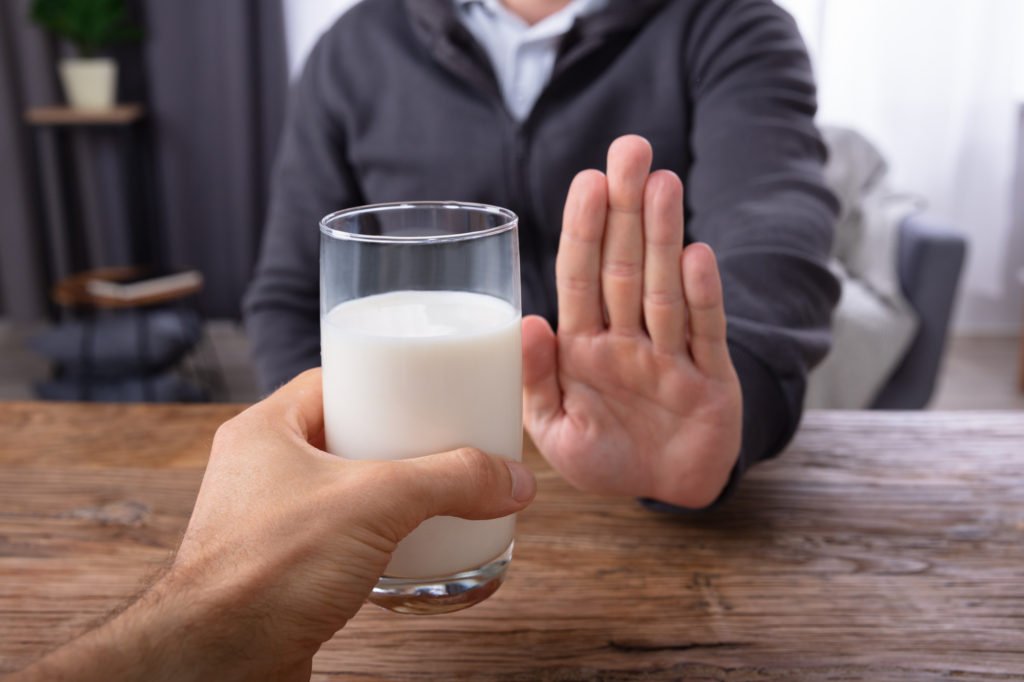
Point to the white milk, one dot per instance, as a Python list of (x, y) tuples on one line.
[(412, 373)]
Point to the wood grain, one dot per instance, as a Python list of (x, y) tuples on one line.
[(881, 546), (74, 291), (122, 114)]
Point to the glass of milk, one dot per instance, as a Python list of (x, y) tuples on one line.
[(420, 337)]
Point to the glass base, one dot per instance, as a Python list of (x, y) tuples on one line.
[(431, 596)]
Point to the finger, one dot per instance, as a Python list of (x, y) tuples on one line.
[(466, 483), (664, 312), (542, 396), (629, 162), (301, 403), (578, 266), (702, 288)]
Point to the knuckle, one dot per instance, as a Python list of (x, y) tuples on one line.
[(226, 439), (227, 432), (367, 479), (704, 304), (663, 297), (711, 336), (658, 238), (477, 465), (626, 208), (621, 269), (576, 283), (585, 235)]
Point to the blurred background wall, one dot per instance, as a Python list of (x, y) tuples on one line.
[(212, 77), (937, 85)]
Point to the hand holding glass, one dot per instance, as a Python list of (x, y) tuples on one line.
[(421, 344)]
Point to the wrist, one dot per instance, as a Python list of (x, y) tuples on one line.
[(141, 642), (164, 635), (204, 631), (698, 487), (173, 632)]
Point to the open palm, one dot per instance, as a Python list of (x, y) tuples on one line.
[(636, 395)]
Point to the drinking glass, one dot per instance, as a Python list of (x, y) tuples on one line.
[(421, 347)]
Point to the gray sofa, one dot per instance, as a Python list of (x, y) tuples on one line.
[(931, 259)]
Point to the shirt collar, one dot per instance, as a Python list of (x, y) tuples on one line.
[(559, 22), (434, 22)]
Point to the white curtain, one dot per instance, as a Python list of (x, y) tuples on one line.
[(305, 21), (939, 86)]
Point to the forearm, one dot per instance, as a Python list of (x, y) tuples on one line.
[(758, 197), (167, 634), (145, 641), (276, 557)]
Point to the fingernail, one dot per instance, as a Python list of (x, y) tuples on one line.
[(524, 486)]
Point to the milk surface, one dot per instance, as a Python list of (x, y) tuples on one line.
[(413, 373)]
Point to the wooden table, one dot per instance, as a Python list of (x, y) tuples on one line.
[(882, 546)]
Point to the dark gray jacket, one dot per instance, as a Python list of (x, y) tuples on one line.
[(397, 102)]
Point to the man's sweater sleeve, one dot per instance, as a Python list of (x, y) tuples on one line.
[(756, 194), (311, 178)]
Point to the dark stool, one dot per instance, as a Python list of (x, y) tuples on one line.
[(116, 349)]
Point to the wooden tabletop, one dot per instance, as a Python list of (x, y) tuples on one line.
[(881, 546)]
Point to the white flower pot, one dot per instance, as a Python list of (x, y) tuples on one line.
[(89, 83)]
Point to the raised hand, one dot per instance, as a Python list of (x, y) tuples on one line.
[(636, 395)]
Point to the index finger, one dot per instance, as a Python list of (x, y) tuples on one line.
[(301, 403), (578, 264)]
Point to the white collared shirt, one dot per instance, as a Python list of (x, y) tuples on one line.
[(523, 56)]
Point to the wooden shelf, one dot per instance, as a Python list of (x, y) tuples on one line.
[(120, 115), (74, 290)]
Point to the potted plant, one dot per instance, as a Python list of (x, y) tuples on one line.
[(90, 81)]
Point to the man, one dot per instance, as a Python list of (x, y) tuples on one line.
[(641, 391), (283, 547)]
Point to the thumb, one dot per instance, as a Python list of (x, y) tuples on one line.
[(542, 396), (466, 483)]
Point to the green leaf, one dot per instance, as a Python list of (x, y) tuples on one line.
[(91, 25)]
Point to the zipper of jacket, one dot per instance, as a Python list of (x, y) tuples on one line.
[(517, 141), (518, 178)]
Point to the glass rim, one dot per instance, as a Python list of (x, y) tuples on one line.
[(511, 220)]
